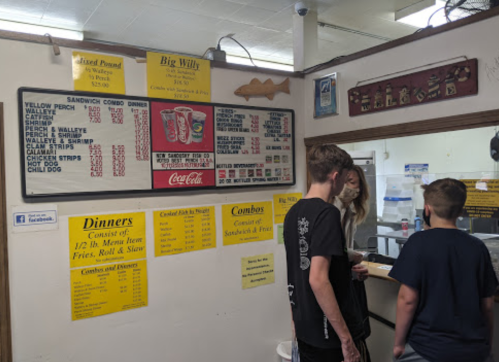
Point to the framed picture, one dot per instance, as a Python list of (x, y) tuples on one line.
[(325, 96)]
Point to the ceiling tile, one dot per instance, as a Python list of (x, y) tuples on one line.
[(29, 9), (282, 21), (182, 5), (65, 17), (219, 9), (106, 21), (85, 5), (274, 5), (200, 23), (251, 15)]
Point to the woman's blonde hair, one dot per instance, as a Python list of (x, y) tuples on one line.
[(361, 203)]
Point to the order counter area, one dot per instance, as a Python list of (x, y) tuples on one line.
[(382, 294)]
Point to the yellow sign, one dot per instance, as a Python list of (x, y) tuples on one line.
[(257, 270), (108, 289), (103, 239), (280, 234), (244, 223), (98, 73), (183, 230), (482, 198), (178, 77), (282, 204)]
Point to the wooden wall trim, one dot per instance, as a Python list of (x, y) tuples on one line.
[(444, 124), (5, 328)]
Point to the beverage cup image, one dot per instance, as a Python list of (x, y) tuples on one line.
[(184, 121), (169, 124), (198, 121)]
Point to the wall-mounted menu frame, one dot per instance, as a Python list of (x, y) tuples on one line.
[(84, 144)]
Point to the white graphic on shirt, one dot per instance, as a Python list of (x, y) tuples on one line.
[(326, 333), (291, 290), (302, 230)]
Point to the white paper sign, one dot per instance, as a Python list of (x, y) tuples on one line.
[(35, 218)]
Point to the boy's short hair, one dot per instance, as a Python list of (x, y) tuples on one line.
[(324, 159), (447, 196)]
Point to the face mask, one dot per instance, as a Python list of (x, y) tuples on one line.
[(348, 195), (426, 218)]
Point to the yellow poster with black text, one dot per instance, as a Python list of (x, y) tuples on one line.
[(244, 223), (178, 77), (184, 230), (98, 73), (103, 239), (282, 204), (108, 289), (257, 270), (482, 199)]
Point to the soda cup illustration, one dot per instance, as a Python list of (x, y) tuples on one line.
[(184, 121), (169, 124), (198, 121)]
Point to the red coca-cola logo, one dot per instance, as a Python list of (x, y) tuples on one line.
[(193, 178), (172, 132), (222, 174), (183, 129)]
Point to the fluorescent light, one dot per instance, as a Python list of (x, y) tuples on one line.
[(40, 30), (420, 18), (259, 63)]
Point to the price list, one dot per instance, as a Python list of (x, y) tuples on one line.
[(78, 143), (184, 230), (253, 147), (108, 289)]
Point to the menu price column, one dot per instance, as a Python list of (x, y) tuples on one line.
[(184, 230), (95, 160), (107, 289), (142, 143)]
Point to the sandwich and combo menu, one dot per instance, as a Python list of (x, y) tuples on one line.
[(75, 143)]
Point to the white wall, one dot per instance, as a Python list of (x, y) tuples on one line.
[(477, 40), (197, 310)]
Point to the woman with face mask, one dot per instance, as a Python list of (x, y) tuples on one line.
[(353, 203)]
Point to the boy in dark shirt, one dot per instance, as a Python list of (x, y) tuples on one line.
[(445, 304), (325, 310)]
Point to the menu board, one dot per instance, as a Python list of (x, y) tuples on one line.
[(108, 289), (184, 230), (81, 143)]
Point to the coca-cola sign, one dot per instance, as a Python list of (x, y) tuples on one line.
[(184, 178)]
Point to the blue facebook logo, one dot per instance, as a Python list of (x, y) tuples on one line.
[(20, 219)]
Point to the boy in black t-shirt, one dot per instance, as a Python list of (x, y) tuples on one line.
[(325, 310), (445, 304)]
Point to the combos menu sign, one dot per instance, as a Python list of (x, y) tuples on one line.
[(244, 223), (178, 77), (81, 143)]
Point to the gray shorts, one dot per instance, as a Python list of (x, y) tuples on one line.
[(411, 356)]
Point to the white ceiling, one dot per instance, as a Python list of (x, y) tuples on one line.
[(264, 27)]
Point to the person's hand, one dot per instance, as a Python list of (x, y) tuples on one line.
[(398, 351), (362, 272), (356, 257), (350, 353)]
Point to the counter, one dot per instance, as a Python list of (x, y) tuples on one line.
[(382, 292)]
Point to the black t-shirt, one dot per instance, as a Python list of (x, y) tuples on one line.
[(313, 228), (452, 272)]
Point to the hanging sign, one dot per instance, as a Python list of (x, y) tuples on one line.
[(440, 83), (98, 73), (244, 223), (178, 77), (86, 143)]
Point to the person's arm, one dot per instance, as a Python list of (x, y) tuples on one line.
[(407, 303), (488, 313), (324, 293)]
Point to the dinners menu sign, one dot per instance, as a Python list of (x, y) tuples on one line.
[(86, 143)]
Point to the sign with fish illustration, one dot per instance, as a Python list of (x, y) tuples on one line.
[(436, 84), (178, 77), (325, 96), (267, 89), (82, 143)]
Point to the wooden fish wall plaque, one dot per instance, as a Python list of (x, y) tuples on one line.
[(268, 89)]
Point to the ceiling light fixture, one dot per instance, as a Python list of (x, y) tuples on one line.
[(40, 30), (430, 16)]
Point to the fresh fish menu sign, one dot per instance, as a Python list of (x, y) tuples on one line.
[(75, 143)]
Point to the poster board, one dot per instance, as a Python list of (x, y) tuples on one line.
[(79, 143)]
